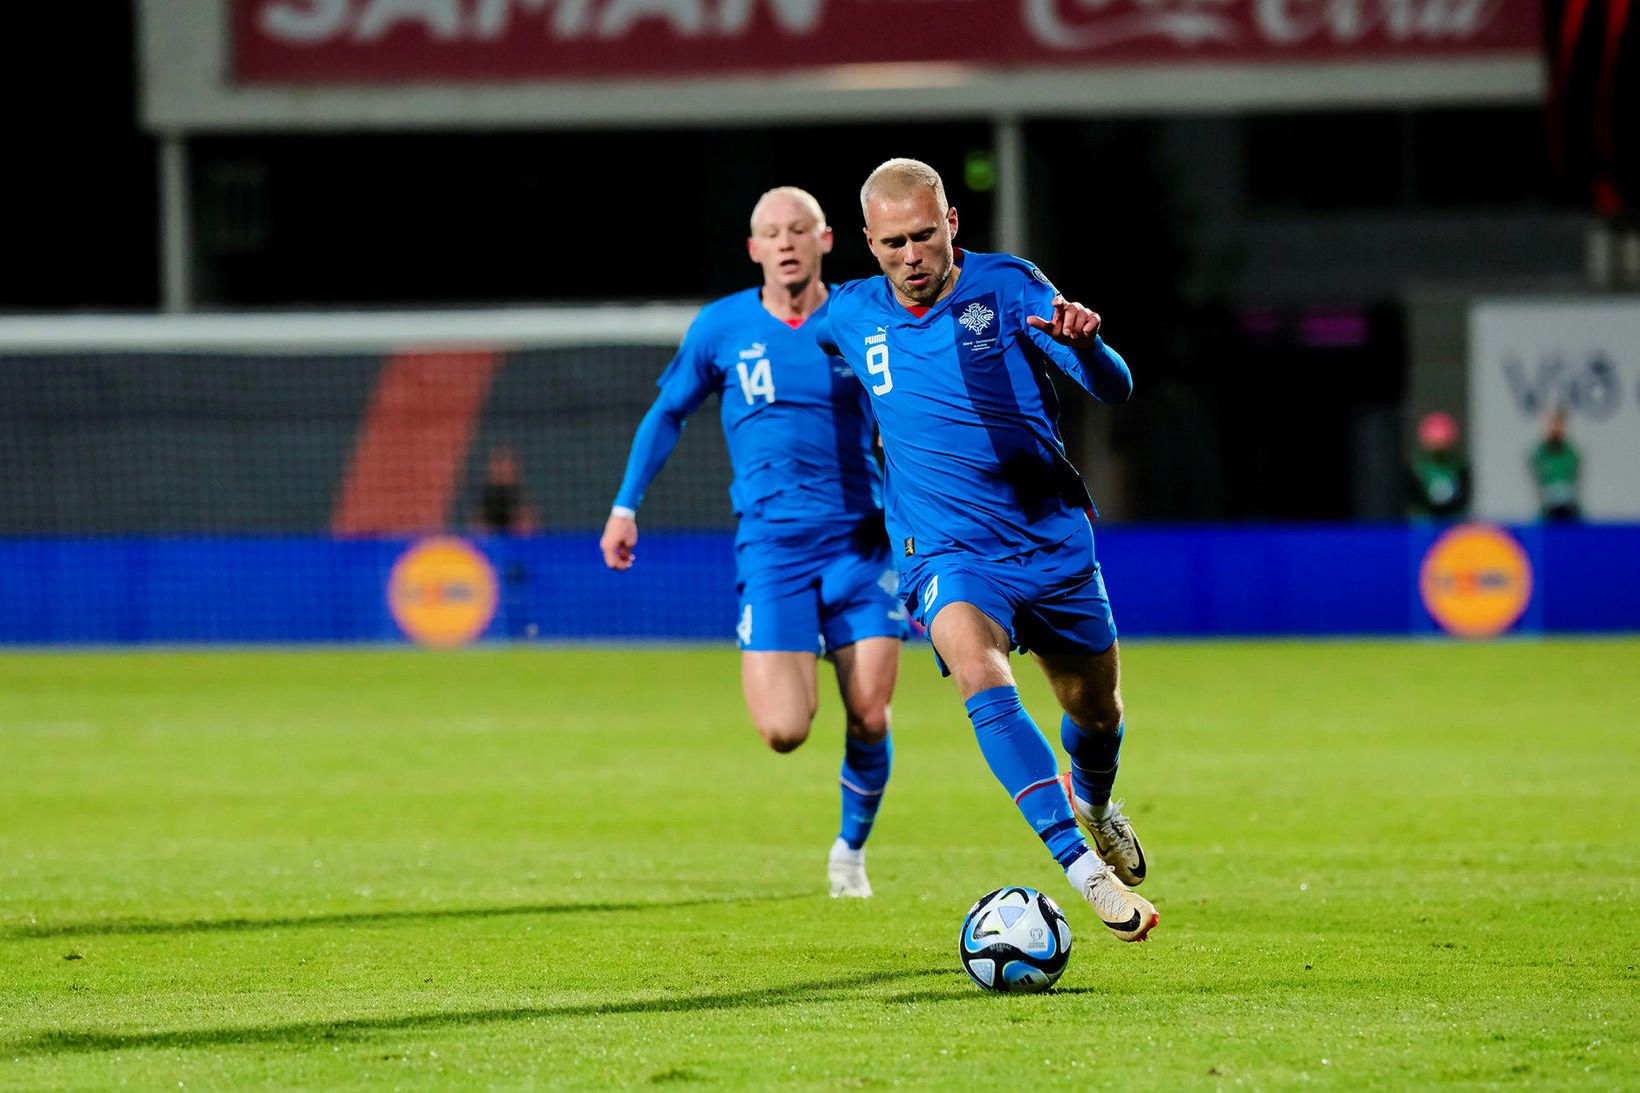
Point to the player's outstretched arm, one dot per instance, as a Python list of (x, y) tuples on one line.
[(1095, 366), (620, 536)]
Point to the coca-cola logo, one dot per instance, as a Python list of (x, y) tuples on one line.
[(1088, 25), (1091, 25)]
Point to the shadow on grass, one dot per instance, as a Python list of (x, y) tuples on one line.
[(118, 927), (66, 1041), (966, 992)]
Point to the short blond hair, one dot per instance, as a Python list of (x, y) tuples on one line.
[(801, 196), (901, 178)]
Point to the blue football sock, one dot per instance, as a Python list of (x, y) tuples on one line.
[(1023, 761), (1094, 758), (865, 773)]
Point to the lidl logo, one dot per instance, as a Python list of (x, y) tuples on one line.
[(442, 592), (1476, 581)]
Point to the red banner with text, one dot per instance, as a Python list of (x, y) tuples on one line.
[(402, 41)]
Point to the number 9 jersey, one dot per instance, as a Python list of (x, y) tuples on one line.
[(968, 415)]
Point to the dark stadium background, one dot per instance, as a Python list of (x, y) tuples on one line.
[(1208, 242)]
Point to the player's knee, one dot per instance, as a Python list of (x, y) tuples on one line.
[(783, 734), (869, 726), (1097, 713), (980, 674)]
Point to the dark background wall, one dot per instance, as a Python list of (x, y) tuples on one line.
[(79, 184), (1214, 246)]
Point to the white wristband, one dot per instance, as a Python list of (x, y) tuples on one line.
[(622, 510)]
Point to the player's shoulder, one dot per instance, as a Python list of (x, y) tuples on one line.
[(1002, 269), (722, 321), (732, 308), (851, 297)]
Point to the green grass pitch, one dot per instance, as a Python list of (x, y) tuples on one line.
[(1379, 865)]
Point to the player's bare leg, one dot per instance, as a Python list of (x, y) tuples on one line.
[(866, 672), (1089, 689), (974, 648), (780, 695)]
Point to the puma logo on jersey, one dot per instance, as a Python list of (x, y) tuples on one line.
[(754, 352)]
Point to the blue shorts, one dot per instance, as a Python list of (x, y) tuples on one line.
[(1049, 600), (814, 589)]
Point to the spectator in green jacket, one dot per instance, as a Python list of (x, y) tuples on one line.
[(1555, 464), (1439, 483)]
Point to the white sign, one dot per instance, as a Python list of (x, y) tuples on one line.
[(1530, 357)]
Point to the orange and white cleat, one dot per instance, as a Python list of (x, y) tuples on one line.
[(1126, 914), (1112, 836)]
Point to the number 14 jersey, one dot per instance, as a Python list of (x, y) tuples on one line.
[(797, 422)]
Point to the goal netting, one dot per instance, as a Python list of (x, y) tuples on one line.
[(258, 478)]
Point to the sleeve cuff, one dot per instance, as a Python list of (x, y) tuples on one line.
[(622, 510)]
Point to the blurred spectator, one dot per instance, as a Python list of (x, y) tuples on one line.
[(503, 516), (1439, 482), (501, 506), (1555, 464)]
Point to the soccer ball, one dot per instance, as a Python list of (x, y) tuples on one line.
[(1015, 939)]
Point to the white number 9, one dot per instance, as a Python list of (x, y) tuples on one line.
[(877, 363)]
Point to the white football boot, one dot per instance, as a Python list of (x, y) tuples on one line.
[(1112, 836), (1129, 916), (846, 870)]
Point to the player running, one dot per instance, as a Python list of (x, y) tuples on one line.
[(812, 564), (987, 519)]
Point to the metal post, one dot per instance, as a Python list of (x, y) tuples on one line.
[(1600, 254), (1013, 233), (1628, 258), (176, 228)]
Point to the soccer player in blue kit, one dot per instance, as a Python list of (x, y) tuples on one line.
[(812, 564), (988, 520)]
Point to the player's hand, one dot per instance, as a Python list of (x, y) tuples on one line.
[(1072, 324), (620, 536)]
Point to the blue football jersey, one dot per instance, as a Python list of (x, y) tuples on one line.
[(968, 416), (796, 420)]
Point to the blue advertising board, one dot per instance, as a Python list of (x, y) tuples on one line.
[(1184, 581)]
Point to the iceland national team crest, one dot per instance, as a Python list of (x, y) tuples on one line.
[(977, 323), (976, 317)]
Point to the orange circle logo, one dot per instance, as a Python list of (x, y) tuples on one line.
[(1476, 581), (442, 592)]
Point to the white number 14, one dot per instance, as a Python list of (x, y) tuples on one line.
[(759, 381)]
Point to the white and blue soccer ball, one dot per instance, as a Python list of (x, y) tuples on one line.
[(1015, 939)]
